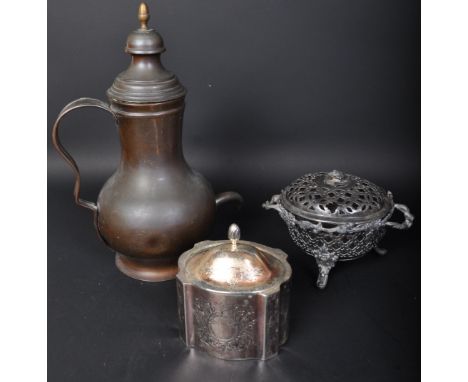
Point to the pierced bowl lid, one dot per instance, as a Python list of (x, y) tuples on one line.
[(336, 197), (234, 265)]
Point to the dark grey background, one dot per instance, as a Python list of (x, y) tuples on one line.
[(276, 89)]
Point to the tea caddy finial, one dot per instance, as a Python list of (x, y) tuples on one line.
[(143, 16), (234, 235)]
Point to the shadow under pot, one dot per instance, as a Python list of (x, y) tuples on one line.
[(154, 207), (336, 217)]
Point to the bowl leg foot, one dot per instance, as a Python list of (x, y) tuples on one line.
[(322, 278), (325, 261), (380, 251)]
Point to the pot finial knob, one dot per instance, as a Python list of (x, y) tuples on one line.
[(335, 178), (143, 16)]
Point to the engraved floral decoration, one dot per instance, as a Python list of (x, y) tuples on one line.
[(225, 330)]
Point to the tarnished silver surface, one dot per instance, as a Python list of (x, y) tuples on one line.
[(336, 197), (233, 298), (335, 216)]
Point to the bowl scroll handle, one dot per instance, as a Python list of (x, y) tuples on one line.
[(273, 203), (409, 218)]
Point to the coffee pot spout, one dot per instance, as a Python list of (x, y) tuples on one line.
[(228, 196)]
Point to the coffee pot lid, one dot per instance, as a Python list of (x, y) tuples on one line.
[(146, 80)]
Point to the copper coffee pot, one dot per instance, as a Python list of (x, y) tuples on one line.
[(154, 207)]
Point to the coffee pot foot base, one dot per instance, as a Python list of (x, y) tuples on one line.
[(146, 270)]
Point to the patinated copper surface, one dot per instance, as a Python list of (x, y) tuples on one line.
[(154, 206)]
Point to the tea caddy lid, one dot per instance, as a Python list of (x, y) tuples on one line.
[(146, 80), (336, 197), (234, 265)]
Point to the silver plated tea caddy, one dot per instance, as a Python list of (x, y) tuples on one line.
[(335, 216), (233, 298)]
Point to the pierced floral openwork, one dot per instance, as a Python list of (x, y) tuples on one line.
[(335, 216), (335, 195)]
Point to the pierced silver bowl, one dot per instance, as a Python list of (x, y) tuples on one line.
[(336, 217)]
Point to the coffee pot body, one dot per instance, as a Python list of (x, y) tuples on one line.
[(154, 207)]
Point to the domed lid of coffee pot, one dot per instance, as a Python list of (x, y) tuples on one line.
[(146, 80), (234, 265)]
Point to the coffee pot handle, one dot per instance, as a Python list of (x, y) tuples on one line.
[(77, 104)]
